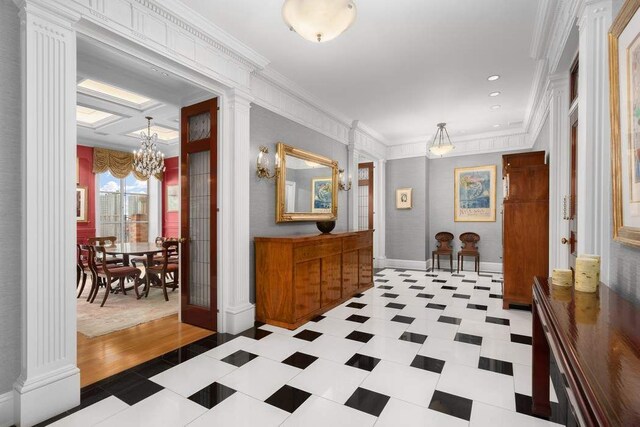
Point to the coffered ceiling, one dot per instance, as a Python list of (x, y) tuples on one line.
[(405, 65)]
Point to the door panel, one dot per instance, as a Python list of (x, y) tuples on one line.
[(198, 178), (331, 289), (365, 196)]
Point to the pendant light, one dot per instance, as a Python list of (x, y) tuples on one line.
[(319, 20), (148, 160), (441, 144)]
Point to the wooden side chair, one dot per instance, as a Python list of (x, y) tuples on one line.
[(143, 259), (105, 241), (443, 247), (469, 249), (111, 273), (168, 269), (82, 266)]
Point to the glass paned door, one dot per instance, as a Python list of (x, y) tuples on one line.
[(365, 196), (124, 208)]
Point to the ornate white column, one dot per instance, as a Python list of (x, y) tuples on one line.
[(49, 382), (379, 215), (238, 312), (353, 158), (559, 169), (594, 132)]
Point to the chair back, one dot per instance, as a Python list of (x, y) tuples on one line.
[(444, 239), (170, 249), (102, 240), (469, 242), (160, 240), (83, 256), (100, 257)]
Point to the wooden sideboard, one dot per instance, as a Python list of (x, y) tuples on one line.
[(595, 339), (300, 277)]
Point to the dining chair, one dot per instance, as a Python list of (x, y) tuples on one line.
[(443, 247), (106, 241), (168, 269), (82, 266), (469, 249), (143, 259), (111, 273)]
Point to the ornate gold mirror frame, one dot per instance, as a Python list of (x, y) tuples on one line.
[(283, 151)]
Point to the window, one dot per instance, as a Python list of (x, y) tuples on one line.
[(124, 208)]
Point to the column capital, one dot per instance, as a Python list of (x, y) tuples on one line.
[(589, 7), (237, 96), (52, 11)]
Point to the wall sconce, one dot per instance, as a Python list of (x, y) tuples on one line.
[(263, 165), (342, 184)]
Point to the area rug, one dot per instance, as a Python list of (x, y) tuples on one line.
[(122, 311)]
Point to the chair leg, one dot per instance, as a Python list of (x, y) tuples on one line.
[(84, 281), (433, 260), (107, 291), (451, 262), (438, 261), (164, 286)]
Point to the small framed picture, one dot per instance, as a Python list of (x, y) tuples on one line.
[(81, 204), (403, 198), (173, 198)]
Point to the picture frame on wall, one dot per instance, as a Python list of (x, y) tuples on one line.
[(404, 199), (475, 194), (81, 204), (624, 82), (173, 198), (321, 195)]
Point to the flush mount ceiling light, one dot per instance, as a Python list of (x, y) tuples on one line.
[(319, 20), (441, 144), (493, 94), (493, 78), (496, 107)]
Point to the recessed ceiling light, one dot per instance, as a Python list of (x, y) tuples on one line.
[(165, 74), (109, 91), (493, 78), (496, 107), (494, 94), (496, 126), (164, 134), (91, 117), (154, 69)]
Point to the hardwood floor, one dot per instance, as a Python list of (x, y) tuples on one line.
[(106, 355)]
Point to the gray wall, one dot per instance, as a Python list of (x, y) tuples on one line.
[(267, 129), (407, 229), (10, 213), (441, 207)]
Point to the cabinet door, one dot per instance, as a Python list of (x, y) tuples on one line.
[(331, 287), (365, 273), (349, 273), (307, 287)]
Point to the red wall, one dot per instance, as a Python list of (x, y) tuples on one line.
[(87, 179), (170, 220)]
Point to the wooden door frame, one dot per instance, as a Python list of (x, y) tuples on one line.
[(370, 183)]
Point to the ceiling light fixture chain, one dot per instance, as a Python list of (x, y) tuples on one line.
[(441, 143), (148, 160)]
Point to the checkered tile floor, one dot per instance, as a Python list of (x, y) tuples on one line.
[(421, 348)]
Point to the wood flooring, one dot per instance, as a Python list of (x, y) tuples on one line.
[(106, 355)]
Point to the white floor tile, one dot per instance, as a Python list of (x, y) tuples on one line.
[(240, 410), (341, 312), (420, 311), (224, 350), (462, 312), (330, 380), (507, 351), (451, 351), (391, 349), (522, 382), (277, 347), (319, 412), (477, 384), (402, 382), (402, 414), (281, 331), (333, 326), (93, 414), (378, 311), (484, 329), (433, 328), (332, 348), (483, 415), (385, 328), (164, 408), (260, 378), (193, 375)]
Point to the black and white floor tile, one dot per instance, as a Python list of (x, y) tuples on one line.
[(418, 349)]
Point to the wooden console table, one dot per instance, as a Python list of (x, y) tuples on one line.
[(300, 277), (595, 339)]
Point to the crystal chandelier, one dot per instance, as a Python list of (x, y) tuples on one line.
[(319, 20), (148, 160), (441, 144)]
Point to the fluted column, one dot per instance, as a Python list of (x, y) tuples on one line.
[(379, 215), (49, 382), (353, 158), (594, 132)]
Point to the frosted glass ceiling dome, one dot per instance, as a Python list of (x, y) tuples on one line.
[(319, 20)]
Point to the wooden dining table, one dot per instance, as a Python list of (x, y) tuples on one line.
[(126, 250)]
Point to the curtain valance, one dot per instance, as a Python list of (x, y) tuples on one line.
[(119, 163)]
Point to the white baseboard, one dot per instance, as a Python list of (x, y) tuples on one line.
[(6, 409), (406, 263), (240, 319), (490, 267)]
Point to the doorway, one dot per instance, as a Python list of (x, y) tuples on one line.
[(365, 196)]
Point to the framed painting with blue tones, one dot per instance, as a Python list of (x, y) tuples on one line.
[(475, 194), (321, 195)]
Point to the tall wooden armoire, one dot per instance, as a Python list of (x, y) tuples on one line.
[(525, 224)]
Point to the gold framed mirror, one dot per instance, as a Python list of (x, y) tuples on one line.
[(306, 187)]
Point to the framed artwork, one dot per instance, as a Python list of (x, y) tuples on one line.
[(81, 204), (403, 198), (475, 194), (173, 198), (321, 195), (624, 81)]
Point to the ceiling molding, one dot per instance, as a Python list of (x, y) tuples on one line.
[(544, 19), (363, 142)]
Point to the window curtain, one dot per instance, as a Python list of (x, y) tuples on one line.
[(119, 163)]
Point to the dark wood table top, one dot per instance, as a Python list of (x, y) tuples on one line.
[(600, 336), (140, 248)]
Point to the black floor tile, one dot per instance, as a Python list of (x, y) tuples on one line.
[(496, 296), (300, 360), (119, 382), (477, 307), (410, 281), (468, 281), (318, 318), (152, 367), (357, 318), (494, 365), (356, 305), (448, 319), (178, 356), (288, 398), (359, 336), (400, 270), (457, 275), (482, 288), (451, 405), (449, 288), (428, 364), (469, 339), (521, 339), (520, 307), (89, 396), (497, 320), (140, 391), (413, 337), (416, 287), (484, 275), (428, 296), (358, 295), (462, 296), (363, 362), (382, 280), (404, 275), (396, 305), (403, 319), (496, 281), (211, 395), (255, 333), (439, 281), (436, 306), (308, 335), (524, 403), (431, 275), (367, 401), (385, 287), (388, 295), (239, 358)]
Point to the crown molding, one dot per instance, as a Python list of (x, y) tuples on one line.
[(541, 35)]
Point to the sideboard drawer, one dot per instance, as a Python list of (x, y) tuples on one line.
[(316, 250), (356, 242)]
